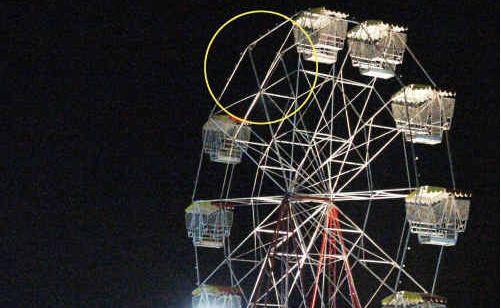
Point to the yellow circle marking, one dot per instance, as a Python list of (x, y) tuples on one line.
[(261, 12)]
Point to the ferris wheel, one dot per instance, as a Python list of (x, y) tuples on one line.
[(278, 224)]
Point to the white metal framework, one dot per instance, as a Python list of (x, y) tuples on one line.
[(294, 242)]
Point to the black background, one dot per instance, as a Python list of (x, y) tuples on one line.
[(103, 106)]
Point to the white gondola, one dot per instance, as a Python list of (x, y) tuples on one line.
[(327, 29), (208, 223), (209, 296), (376, 48), (409, 299), (225, 139), (436, 215), (423, 113)]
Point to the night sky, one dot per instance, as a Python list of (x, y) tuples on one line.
[(103, 105)]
